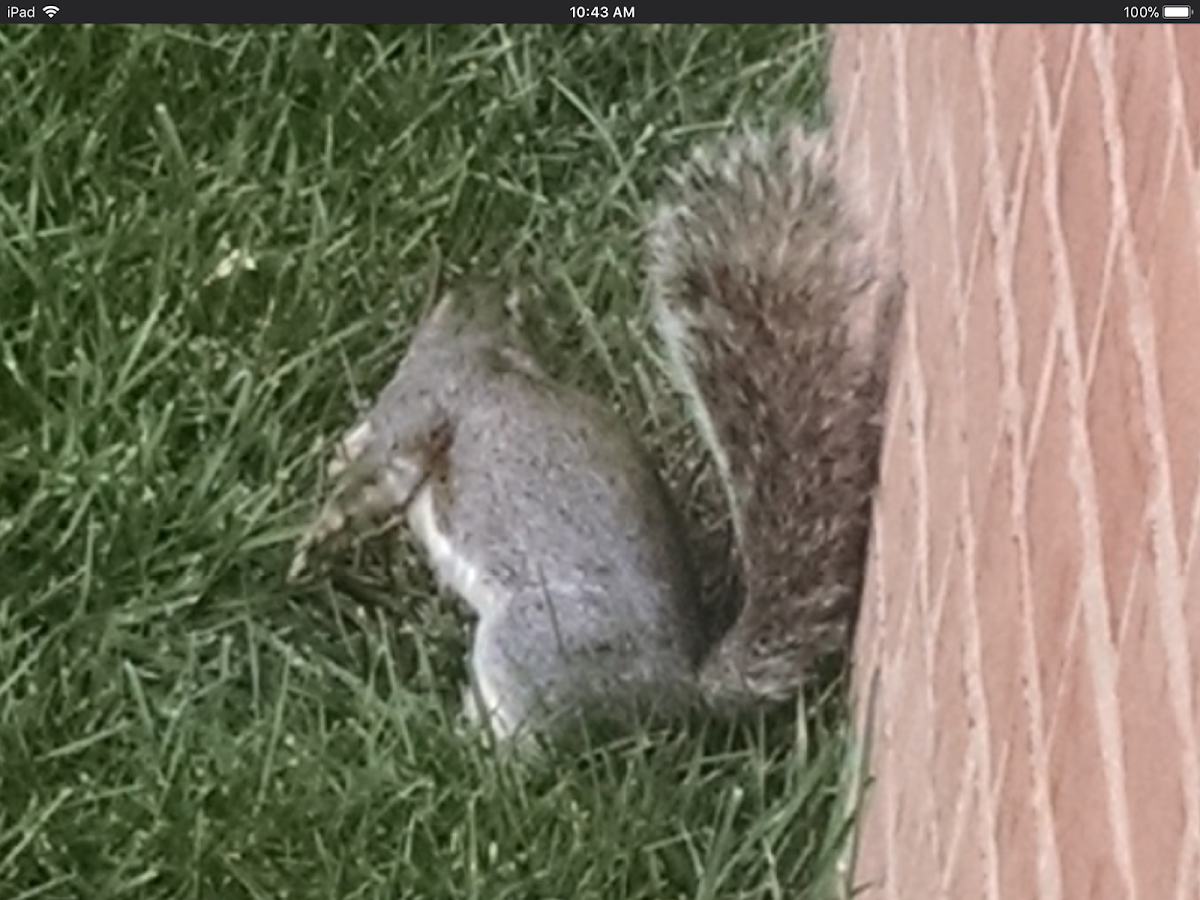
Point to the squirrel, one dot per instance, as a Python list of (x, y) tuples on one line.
[(539, 508), (537, 505)]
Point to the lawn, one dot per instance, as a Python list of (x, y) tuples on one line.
[(213, 245)]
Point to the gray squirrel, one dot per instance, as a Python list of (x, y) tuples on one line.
[(537, 507), (535, 504)]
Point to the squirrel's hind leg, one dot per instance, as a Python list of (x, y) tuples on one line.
[(496, 697)]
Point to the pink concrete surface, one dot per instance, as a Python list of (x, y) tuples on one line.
[(1032, 618)]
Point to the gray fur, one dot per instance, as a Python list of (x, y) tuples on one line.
[(558, 531), (778, 329)]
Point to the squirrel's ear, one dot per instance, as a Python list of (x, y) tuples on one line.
[(447, 315), (442, 311)]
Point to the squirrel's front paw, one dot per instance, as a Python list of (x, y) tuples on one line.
[(369, 494), (350, 449)]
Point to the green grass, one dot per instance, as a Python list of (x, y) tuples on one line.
[(176, 720)]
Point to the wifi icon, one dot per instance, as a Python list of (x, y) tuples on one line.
[(51, 11)]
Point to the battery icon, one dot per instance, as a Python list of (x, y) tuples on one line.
[(1177, 12)]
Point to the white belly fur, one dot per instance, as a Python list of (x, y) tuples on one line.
[(454, 570)]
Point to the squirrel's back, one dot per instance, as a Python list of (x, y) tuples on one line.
[(777, 325)]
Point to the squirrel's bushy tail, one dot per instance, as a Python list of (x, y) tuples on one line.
[(777, 323)]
